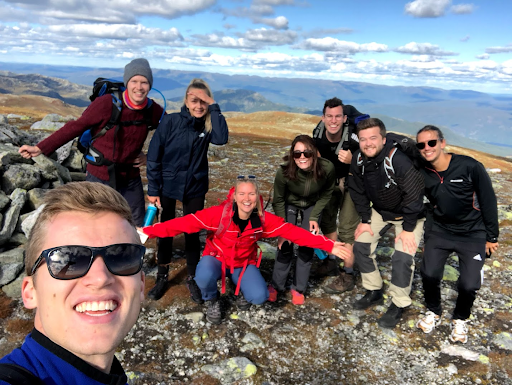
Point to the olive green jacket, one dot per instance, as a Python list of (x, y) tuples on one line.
[(304, 191)]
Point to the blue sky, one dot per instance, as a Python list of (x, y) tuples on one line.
[(440, 43)]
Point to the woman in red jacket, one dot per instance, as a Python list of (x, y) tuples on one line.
[(231, 249)]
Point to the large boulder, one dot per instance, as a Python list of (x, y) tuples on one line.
[(18, 198), (11, 265), (22, 176), (51, 122)]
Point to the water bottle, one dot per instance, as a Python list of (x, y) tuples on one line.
[(150, 215), (320, 254)]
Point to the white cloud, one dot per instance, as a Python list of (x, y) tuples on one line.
[(462, 9), (465, 39), (323, 32), (329, 44), (251, 40), (279, 22), (427, 8), (505, 49), (423, 49), (483, 56), (113, 11)]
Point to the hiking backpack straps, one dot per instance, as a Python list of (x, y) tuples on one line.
[(103, 86), (17, 375)]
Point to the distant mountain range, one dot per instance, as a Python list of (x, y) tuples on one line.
[(464, 115)]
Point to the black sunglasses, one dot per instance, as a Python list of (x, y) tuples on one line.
[(431, 143), (71, 262), (307, 154), (246, 177)]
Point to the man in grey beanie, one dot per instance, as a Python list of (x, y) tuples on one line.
[(121, 147), (138, 67)]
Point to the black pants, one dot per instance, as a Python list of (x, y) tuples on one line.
[(471, 253), (192, 245), (285, 255)]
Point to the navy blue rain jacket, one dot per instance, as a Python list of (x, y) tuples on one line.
[(177, 164)]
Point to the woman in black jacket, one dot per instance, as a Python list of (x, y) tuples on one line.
[(177, 169)]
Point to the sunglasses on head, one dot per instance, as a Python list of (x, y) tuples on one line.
[(431, 143), (71, 262), (246, 177), (307, 154)]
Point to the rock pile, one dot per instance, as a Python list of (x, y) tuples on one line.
[(23, 183)]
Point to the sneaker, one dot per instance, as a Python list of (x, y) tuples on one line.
[(344, 282), (428, 322), (195, 291), (160, 287), (391, 318), (272, 294), (328, 268), (297, 298), (372, 297), (242, 303), (213, 311), (459, 331)]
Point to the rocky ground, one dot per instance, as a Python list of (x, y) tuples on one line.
[(323, 342)]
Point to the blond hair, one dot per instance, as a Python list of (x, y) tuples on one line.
[(258, 196), (85, 197), (200, 84)]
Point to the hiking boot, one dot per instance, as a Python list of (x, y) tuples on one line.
[(459, 331), (160, 287), (297, 298), (242, 303), (372, 297), (213, 312), (272, 294), (391, 317), (195, 291), (328, 268), (428, 322), (344, 282)]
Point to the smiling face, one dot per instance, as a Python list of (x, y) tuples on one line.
[(333, 119), (431, 154), (303, 163), (371, 141), (88, 316), (246, 199), (196, 106), (138, 89)]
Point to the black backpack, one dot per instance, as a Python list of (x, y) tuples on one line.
[(18, 375), (353, 117)]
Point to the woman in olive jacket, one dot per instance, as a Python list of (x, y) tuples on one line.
[(303, 185)]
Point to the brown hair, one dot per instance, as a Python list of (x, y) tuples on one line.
[(290, 168), (370, 123), (254, 182), (85, 197), (332, 103), (429, 127), (200, 84)]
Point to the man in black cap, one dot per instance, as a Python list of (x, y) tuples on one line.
[(121, 146)]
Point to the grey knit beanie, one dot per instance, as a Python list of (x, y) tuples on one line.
[(138, 67)]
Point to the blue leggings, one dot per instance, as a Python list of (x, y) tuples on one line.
[(209, 271)]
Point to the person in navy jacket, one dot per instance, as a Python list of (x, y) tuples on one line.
[(177, 170), (83, 263)]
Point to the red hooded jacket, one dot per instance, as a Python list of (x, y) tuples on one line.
[(230, 246)]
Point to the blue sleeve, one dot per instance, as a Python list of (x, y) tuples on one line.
[(219, 126)]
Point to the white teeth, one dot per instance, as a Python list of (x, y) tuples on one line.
[(96, 306)]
